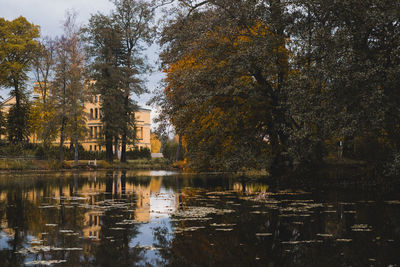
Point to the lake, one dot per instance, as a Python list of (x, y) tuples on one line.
[(159, 218)]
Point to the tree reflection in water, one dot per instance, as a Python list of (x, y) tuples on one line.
[(120, 218)]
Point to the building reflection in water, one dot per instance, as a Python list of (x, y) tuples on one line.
[(87, 192)]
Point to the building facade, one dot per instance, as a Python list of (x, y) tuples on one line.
[(94, 138), (94, 126)]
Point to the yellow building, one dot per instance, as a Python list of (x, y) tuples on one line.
[(94, 138), (94, 125)]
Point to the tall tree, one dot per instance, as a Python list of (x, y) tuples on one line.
[(104, 48), (42, 112), (116, 45), (17, 48), (133, 18), (68, 85), (228, 62), (324, 71)]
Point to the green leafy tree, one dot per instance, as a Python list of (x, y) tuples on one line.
[(68, 86), (18, 128), (315, 72), (116, 46), (133, 18), (17, 48), (42, 111), (226, 84), (104, 48)]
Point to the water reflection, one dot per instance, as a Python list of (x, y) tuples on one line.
[(146, 218)]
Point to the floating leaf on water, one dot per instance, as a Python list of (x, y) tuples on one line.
[(263, 234), (34, 249), (66, 231), (71, 234), (393, 202), (189, 229), (44, 262), (288, 215), (191, 219), (148, 247), (222, 224), (65, 249), (361, 228), (301, 242), (344, 240), (199, 212), (38, 242), (259, 212), (128, 222), (325, 235), (347, 203)]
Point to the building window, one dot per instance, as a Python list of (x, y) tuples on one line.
[(140, 133), (101, 113), (95, 99), (90, 147), (95, 113), (95, 132), (91, 114), (95, 147), (99, 148), (91, 132)]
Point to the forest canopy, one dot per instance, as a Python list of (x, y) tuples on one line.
[(279, 84)]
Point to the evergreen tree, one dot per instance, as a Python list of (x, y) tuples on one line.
[(116, 46)]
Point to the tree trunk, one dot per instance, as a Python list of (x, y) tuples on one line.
[(76, 140), (123, 148), (18, 135), (125, 129), (179, 149), (109, 148), (116, 146), (76, 156), (62, 140)]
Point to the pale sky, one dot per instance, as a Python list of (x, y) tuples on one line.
[(49, 14)]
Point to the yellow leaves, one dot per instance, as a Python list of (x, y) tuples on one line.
[(17, 46), (155, 144), (245, 80)]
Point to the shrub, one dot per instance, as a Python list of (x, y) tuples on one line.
[(169, 150), (142, 153), (392, 168)]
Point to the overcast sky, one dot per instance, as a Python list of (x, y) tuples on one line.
[(49, 14)]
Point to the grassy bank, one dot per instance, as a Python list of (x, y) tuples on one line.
[(33, 164)]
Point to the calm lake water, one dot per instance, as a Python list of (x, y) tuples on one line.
[(156, 218)]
